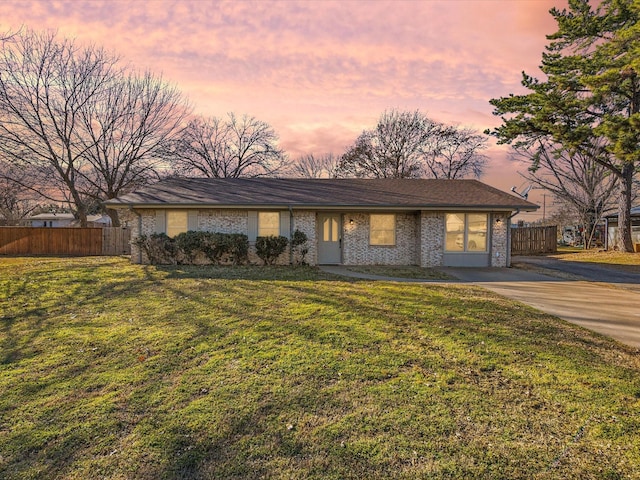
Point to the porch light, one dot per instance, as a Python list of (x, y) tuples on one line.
[(351, 221)]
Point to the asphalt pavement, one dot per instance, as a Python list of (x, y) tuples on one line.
[(595, 272)]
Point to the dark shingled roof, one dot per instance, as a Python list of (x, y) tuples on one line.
[(402, 194)]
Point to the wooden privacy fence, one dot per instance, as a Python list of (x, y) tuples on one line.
[(534, 240), (64, 241)]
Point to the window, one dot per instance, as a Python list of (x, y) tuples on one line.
[(454, 233), (177, 222), (268, 224), (466, 232), (382, 229), (330, 229)]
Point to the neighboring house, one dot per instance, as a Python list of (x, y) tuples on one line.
[(347, 221), (95, 221), (51, 220), (612, 229), (67, 220)]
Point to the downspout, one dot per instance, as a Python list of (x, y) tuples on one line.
[(290, 235), (131, 209)]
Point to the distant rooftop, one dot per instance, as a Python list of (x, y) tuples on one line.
[(52, 216)]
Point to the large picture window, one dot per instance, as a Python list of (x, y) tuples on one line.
[(177, 222), (268, 224), (466, 232), (382, 229)]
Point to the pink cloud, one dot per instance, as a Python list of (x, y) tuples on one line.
[(319, 71)]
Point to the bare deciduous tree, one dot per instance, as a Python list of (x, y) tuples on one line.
[(44, 85), (574, 178), (409, 144), (228, 148), (312, 166), (394, 149), (16, 201), (85, 130), (456, 154), (124, 131)]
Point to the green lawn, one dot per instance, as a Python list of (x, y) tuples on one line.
[(118, 371)]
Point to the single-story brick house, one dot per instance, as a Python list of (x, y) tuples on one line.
[(422, 222)]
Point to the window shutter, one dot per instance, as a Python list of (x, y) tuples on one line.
[(192, 220), (252, 225), (285, 224), (161, 222)]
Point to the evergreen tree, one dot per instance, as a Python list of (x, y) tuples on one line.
[(590, 101)]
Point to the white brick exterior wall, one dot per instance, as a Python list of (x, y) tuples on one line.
[(431, 239), (223, 221), (305, 221), (419, 237), (358, 251), (135, 220), (499, 239)]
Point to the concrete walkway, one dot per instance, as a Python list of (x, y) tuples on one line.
[(599, 306)]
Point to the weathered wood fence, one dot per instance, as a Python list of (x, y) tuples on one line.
[(64, 241), (534, 240)]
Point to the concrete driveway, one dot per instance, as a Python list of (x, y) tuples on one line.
[(610, 308)]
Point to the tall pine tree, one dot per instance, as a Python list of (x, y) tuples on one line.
[(590, 101)]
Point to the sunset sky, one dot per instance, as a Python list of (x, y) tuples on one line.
[(321, 71)]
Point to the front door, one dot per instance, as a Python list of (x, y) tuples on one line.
[(329, 238)]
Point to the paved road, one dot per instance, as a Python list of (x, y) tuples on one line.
[(610, 307), (588, 271)]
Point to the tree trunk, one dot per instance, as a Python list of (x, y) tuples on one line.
[(82, 217), (624, 240), (115, 219), (81, 208)]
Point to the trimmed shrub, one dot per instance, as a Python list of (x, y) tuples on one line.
[(299, 244), (214, 247), (234, 246), (190, 244), (238, 248), (187, 246), (270, 248), (159, 248)]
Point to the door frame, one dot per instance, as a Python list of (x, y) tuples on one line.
[(320, 217)]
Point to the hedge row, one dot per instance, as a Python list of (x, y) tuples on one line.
[(219, 248)]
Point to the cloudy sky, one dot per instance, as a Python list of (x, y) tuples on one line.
[(320, 71)]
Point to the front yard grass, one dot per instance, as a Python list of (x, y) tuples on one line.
[(119, 371)]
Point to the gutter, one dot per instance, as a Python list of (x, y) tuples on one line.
[(350, 207)]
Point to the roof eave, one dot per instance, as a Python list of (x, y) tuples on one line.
[(334, 207)]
